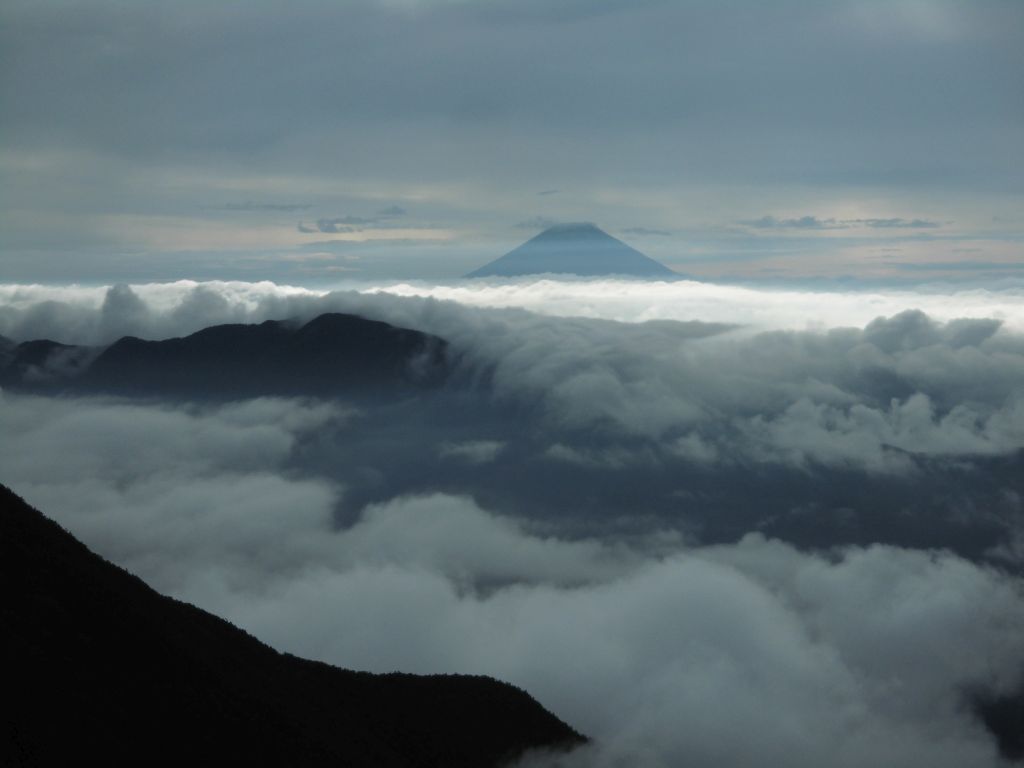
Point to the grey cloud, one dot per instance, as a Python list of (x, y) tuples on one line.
[(701, 428), (382, 220), (448, 74), (657, 382), (914, 329), (123, 313), (804, 222), (897, 223), (120, 312), (250, 206), (813, 222), (367, 245), (473, 451), (1006, 267), (204, 306), (477, 551), (342, 224), (355, 221), (206, 484), (662, 652), (601, 458), (538, 520), (680, 655), (647, 231), (333, 227)]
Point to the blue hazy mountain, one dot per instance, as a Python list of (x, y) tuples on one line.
[(574, 249)]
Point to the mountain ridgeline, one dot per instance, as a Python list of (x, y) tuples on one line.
[(575, 249), (98, 667), (332, 355)]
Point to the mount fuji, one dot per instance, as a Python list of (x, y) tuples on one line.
[(576, 249)]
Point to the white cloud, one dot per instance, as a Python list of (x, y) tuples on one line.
[(947, 384), (761, 308)]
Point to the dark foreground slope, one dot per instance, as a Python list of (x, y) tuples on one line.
[(98, 665), (575, 249), (333, 354)]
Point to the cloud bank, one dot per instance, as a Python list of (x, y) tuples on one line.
[(940, 384), (668, 654), (701, 530)]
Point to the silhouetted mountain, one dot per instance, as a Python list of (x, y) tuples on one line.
[(575, 249), (333, 354), (99, 667)]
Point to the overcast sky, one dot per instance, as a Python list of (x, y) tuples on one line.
[(320, 141)]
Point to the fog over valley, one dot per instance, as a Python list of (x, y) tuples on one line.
[(668, 510)]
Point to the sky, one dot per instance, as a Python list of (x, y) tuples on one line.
[(768, 514), (323, 142)]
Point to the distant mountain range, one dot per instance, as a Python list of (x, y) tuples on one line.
[(333, 354), (97, 667), (574, 249)]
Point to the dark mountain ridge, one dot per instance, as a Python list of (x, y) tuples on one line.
[(98, 666), (333, 354), (575, 249)]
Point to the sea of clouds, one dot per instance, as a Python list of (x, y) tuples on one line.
[(415, 539)]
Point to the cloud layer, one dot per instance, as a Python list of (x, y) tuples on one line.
[(902, 384), (655, 507), (820, 433), (670, 655)]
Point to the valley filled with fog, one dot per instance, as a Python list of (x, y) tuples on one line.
[(707, 525)]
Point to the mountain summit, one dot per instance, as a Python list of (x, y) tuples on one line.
[(575, 249)]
